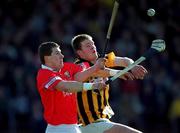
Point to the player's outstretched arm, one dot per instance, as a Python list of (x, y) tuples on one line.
[(138, 71), (74, 86)]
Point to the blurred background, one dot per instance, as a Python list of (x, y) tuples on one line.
[(151, 105)]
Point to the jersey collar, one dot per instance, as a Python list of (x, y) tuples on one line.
[(46, 67)]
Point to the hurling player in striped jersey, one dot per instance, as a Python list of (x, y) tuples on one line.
[(94, 110)]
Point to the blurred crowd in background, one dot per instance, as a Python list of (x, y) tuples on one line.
[(151, 105)]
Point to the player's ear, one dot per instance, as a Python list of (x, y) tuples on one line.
[(79, 52), (47, 58)]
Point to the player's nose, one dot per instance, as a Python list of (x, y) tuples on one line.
[(61, 56)]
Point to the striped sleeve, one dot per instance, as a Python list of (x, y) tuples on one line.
[(52, 82)]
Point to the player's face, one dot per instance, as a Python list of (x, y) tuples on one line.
[(56, 58), (88, 50)]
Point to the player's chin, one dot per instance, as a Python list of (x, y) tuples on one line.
[(61, 64), (95, 55), (94, 58)]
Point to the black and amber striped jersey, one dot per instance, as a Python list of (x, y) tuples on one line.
[(93, 104)]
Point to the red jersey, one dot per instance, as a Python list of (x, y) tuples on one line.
[(59, 107)]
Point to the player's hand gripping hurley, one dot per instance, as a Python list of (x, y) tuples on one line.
[(157, 46)]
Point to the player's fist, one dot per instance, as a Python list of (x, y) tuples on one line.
[(100, 64), (99, 85)]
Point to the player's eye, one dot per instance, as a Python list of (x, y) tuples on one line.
[(58, 53)]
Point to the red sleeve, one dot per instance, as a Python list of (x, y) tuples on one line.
[(73, 67), (77, 68), (47, 79), (84, 65)]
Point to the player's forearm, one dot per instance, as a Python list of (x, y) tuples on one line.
[(70, 86), (123, 61), (74, 86), (107, 72), (84, 75)]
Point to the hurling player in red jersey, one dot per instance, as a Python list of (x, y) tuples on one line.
[(55, 83)]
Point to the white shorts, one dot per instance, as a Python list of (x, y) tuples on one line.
[(63, 128), (99, 126)]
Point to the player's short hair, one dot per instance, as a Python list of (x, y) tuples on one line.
[(45, 49), (76, 41)]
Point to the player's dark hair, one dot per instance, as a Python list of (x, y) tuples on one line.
[(76, 41), (45, 49)]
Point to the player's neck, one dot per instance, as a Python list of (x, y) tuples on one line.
[(52, 67), (93, 61)]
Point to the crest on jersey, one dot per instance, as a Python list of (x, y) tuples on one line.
[(67, 74)]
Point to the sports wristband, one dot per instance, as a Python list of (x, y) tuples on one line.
[(113, 72), (87, 86), (130, 61)]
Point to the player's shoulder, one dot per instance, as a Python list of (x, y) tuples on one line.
[(71, 67), (69, 64), (41, 70), (44, 72)]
